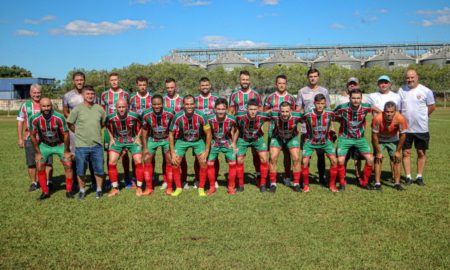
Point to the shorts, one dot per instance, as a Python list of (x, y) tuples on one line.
[(327, 148), (391, 147), (181, 147), (303, 139), (106, 140), (421, 141), (353, 153), (152, 146), (242, 145), (344, 145), (283, 144), (48, 151), (227, 151), (93, 154), (133, 148), (30, 155)]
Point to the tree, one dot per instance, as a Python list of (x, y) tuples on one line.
[(14, 72)]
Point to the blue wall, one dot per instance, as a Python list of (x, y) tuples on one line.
[(14, 88)]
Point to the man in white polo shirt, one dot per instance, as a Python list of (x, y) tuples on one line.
[(416, 105), (384, 94)]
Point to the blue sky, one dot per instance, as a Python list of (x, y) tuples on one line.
[(51, 37)]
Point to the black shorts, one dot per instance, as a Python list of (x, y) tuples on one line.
[(30, 155), (420, 141)]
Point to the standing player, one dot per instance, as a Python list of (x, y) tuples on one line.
[(26, 111), (156, 134), (224, 134), (305, 102), (272, 104), (352, 117), (124, 128), (51, 129), (190, 125), (417, 104), (318, 123), (251, 135), (284, 138), (142, 99), (386, 127), (108, 101)]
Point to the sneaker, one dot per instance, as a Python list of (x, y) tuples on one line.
[(128, 184), (273, 188), (43, 196), (186, 186), (201, 192), (262, 189), (231, 191), (139, 191), (217, 185), (334, 189), (147, 192), (306, 188), (378, 187), (163, 186), (177, 192), (287, 181), (419, 181), (113, 192), (399, 187), (69, 195), (408, 181), (81, 195), (195, 186), (240, 189), (169, 191), (297, 188), (98, 194), (33, 187)]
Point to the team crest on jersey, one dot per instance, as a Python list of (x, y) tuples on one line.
[(242, 107), (50, 134), (419, 96)]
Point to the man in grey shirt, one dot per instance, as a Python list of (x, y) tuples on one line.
[(305, 102)]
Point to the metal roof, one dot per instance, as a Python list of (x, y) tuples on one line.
[(176, 58), (283, 56), (230, 58), (391, 54), (441, 53), (336, 55)]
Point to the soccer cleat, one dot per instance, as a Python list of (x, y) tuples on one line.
[(139, 191), (297, 188), (273, 188), (240, 189), (287, 181), (419, 181), (231, 191), (399, 187), (408, 181), (262, 189), (342, 188), (69, 195), (81, 195), (306, 188), (113, 192), (195, 186), (367, 186), (177, 192), (169, 191), (211, 191), (33, 187), (201, 192), (378, 187), (333, 188), (98, 194), (217, 185), (147, 192), (43, 196), (128, 184), (186, 186), (163, 186)]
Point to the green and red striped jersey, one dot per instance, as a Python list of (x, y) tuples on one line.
[(139, 104), (353, 122), (239, 99), (124, 130), (274, 100), (318, 126), (158, 124), (251, 129), (109, 99), (189, 129), (221, 130), (49, 130), (175, 104), (26, 111), (285, 129), (206, 104)]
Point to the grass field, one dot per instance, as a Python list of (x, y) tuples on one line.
[(357, 229)]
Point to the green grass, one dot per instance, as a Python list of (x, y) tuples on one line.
[(320, 230)]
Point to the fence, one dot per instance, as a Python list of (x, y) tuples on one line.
[(12, 106)]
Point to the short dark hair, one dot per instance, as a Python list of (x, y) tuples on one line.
[(113, 74), (244, 72), (142, 79), (189, 96), (252, 102), (169, 80), (285, 104), (157, 96), (390, 104), (78, 73), (281, 76), (319, 97), (220, 101), (313, 70), (88, 88), (204, 79), (355, 91)]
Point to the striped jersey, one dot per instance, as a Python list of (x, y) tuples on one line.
[(189, 129), (175, 104), (26, 111), (251, 129), (318, 126), (109, 99), (286, 129), (139, 104), (158, 124), (353, 122), (221, 130), (206, 105), (274, 100), (239, 99), (388, 132), (50, 131), (124, 130)]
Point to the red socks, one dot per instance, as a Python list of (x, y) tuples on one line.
[(139, 171), (272, 177), (341, 174), (169, 176), (42, 178), (297, 177), (240, 174), (264, 172), (113, 173), (367, 173), (231, 176), (148, 174), (305, 175), (333, 174), (211, 176), (69, 184)]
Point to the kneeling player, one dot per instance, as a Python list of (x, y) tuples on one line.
[(284, 137), (251, 135), (224, 131), (156, 134), (386, 128), (51, 128), (124, 128), (318, 122)]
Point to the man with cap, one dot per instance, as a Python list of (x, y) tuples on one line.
[(384, 94), (352, 83)]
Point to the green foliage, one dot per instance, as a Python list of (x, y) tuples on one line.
[(14, 72)]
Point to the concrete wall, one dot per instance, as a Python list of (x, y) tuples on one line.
[(13, 105)]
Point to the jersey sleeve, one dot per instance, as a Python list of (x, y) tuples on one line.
[(402, 124), (375, 125), (73, 115), (65, 100), (370, 100), (22, 113), (174, 124), (429, 98), (299, 101), (231, 100), (63, 128), (266, 104)]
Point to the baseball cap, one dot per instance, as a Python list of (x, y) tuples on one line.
[(353, 79), (384, 78)]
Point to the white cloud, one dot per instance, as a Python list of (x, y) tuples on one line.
[(368, 19), (85, 28), (271, 2), (445, 10), (216, 42), (195, 3), (41, 20), (25, 33), (435, 17), (337, 26), (426, 23)]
